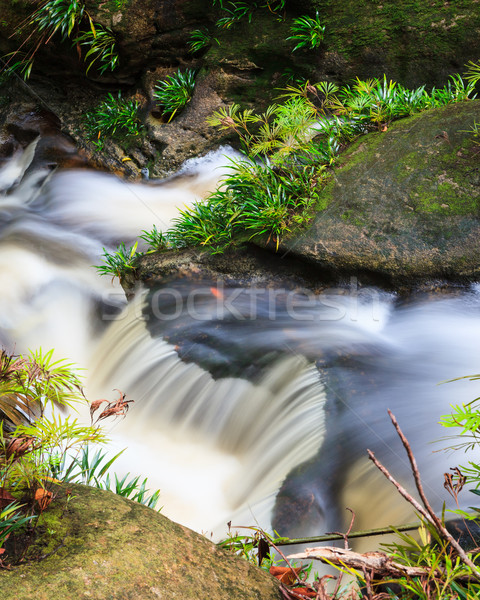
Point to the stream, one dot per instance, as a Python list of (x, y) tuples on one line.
[(250, 405)]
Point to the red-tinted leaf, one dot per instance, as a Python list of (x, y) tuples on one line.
[(285, 574), (6, 498), (43, 497)]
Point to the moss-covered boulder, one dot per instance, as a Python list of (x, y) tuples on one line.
[(404, 204), (412, 41), (101, 546)]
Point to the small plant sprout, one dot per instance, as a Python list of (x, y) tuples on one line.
[(200, 39), (119, 262), (308, 32), (175, 92), (156, 240), (116, 117)]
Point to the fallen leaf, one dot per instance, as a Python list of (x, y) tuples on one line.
[(19, 446), (5, 498), (286, 575), (43, 497), (304, 591)]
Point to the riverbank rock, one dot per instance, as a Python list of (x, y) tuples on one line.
[(248, 62), (404, 204), (101, 546)]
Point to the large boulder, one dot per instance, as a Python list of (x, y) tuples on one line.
[(404, 204), (101, 546), (411, 41)]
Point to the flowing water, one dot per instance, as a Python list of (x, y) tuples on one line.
[(250, 404)]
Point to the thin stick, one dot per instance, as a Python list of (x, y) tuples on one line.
[(415, 471), (427, 512), (330, 537), (345, 543)]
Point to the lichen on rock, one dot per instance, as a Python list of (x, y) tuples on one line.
[(102, 546)]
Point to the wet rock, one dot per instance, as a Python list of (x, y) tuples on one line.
[(404, 204)]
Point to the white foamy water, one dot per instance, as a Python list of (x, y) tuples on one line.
[(300, 384)]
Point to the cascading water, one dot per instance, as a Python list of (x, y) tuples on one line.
[(249, 403)]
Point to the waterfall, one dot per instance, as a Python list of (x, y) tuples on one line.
[(255, 405)]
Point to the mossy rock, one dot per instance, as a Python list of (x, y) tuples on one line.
[(101, 546), (404, 204), (412, 41)]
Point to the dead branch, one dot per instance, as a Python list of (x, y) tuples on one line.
[(426, 510), (330, 537), (379, 562)]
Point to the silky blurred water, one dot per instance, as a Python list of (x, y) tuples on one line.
[(250, 404)]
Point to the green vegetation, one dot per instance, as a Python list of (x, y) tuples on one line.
[(101, 44), (288, 154), (40, 449), (156, 240), (121, 261), (175, 92), (65, 20), (200, 39), (289, 150), (95, 472), (116, 117), (236, 11), (308, 32)]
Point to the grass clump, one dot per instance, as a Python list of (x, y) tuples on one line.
[(116, 117), (289, 150), (307, 32), (63, 20), (200, 39), (120, 262), (175, 92), (101, 48)]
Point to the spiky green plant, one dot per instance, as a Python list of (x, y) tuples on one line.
[(94, 470), (156, 240), (58, 16), (116, 117), (65, 19), (102, 50), (235, 11), (175, 92), (119, 262), (200, 39), (11, 521), (307, 32)]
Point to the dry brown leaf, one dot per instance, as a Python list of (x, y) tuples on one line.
[(286, 575), (43, 497), (19, 446), (6, 498), (95, 405)]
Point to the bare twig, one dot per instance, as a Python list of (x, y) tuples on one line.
[(330, 537), (426, 510), (378, 562), (345, 543)]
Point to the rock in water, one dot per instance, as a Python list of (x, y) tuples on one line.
[(403, 204)]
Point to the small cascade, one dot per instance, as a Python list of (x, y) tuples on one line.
[(250, 404), (261, 428)]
